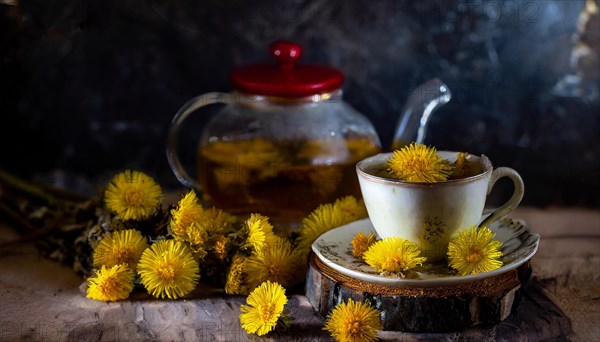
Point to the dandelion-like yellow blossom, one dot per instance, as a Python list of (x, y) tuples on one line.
[(236, 278), (187, 212), (461, 168), (112, 283), (216, 221), (353, 321), (393, 254), (220, 247), (351, 208), (264, 309), (474, 251), (259, 230), (120, 247), (133, 195), (361, 243), (168, 269), (419, 163), (196, 236), (196, 225), (275, 262), (321, 220)]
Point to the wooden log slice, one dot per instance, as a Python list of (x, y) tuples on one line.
[(432, 309)]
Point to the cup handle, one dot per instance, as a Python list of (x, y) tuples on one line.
[(514, 200), (189, 107)]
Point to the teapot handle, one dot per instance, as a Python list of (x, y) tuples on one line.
[(189, 107)]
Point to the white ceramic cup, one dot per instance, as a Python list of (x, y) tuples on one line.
[(430, 214)]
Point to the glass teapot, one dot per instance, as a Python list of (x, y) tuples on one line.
[(285, 141)]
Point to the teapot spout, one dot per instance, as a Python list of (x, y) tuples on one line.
[(415, 115)]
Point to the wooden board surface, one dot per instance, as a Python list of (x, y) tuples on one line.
[(40, 299)]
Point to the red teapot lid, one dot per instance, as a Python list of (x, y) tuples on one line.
[(286, 79)]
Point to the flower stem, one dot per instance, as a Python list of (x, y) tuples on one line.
[(28, 188)]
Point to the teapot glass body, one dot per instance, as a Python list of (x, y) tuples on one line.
[(280, 157)]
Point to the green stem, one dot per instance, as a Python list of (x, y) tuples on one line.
[(33, 233), (28, 188), (16, 218)]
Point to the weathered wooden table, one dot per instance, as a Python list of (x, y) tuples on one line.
[(40, 300)]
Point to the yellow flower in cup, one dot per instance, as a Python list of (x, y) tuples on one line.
[(393, 254), (264, 309), (474, 251), (121, 247), (110, 284), (353, 321), (419, 163), (133, 195), (168, 269)]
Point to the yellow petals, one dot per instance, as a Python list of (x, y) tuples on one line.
[(110, 284), (419, 163), (259, 229), (198, 226), (187, 212), (361, 243), (133, 195), (353, 321), (351, 208), (321, 220), (168, 269), (236, 277), (275, 262), (461, 166), (474, 251), (327, 217), (264, 309), (220, 247), (121, 247), (393, 254)]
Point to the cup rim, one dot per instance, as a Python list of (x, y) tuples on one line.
[(484, 160)]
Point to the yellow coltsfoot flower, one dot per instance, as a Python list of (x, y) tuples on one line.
[(200, 227), (276, 262), (361, 243), (259, 230), (187, 212), (236, 282), (216, 221), (351, 208), (168, 269), (461, 167), (353, 321), (110, 284), (264, 309), (133, 195), (220, 247), (393, 254), (474, 251), (121, 247), (321, 220), (419, 163)]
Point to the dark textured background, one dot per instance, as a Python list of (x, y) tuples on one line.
[(88, 88)]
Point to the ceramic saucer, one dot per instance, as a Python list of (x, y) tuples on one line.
[(335, 249)]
